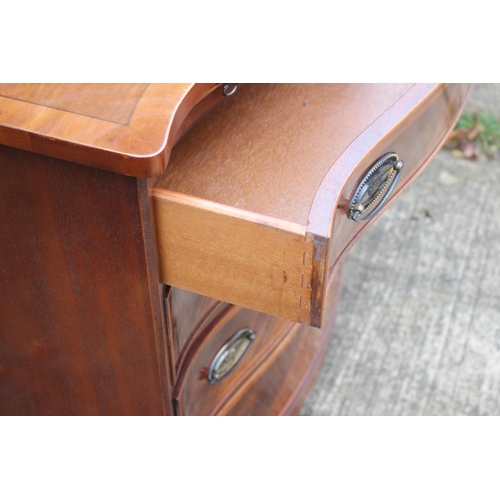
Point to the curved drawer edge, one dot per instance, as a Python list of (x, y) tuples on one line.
[(62, 122), (393, 134)]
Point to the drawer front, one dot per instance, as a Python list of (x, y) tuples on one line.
[(186, 314), (274, 389), (199, 394), (272, 377), (254, 207), (416, 141)]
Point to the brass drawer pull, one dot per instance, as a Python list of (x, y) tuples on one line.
[(379, 182), (228, 91), (230, 354)]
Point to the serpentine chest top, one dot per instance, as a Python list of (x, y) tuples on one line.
[(176, 248)]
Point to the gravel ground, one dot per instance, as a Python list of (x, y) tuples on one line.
[(418, 327)]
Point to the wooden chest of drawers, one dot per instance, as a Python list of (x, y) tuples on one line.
[(175, 249)]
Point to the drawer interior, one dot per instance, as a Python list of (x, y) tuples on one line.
[(247, 207), (267, 149)]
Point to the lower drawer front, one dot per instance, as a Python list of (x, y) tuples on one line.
[(275, 388), (195, 393), (271, 375)]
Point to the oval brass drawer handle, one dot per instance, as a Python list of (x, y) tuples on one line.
[(230, 354), (377, 184)]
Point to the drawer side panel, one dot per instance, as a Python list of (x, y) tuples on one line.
[(255, 264)]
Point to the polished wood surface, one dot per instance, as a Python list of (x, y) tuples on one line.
[(269, 393), (274, 166), (280, 384), (124, 128), (80, 312), (271, 378), (186, 312), (193, 391), (250, 211), (417, 139)]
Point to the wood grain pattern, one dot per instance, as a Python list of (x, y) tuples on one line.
[(80, 326), (430, 113), (246, 210), (124, 128), (266, 152), (186, 312), (276, 340), (281, 382), (229, 257), (209, 101), (251, 212), (269, 393), (417, 139), (195, 395), (108, 102)]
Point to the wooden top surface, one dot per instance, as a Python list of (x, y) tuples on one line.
[(124, 128)]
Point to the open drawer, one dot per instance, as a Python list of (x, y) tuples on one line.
[(264, 196)]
